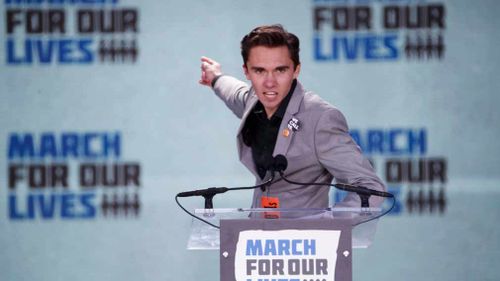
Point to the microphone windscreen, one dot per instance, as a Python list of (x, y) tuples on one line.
[(280, 163)]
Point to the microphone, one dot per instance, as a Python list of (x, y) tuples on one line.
[(277, 164), (203, 192), (281, 163), (362, 190), (208, 194)]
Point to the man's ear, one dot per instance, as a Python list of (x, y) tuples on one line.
[(296, 72), (245, 70)]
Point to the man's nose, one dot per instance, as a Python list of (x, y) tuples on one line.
[(270, 80)]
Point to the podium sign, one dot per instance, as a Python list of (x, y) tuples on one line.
[(285, 249)]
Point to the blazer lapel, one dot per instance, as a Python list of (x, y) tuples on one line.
[(283, 140)]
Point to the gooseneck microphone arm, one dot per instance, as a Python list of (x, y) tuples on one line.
[(363, 192), (281, 163), (209, 193)]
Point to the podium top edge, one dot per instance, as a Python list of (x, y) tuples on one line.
[(326, 210)]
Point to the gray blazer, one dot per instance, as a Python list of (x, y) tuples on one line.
[(319, 151)]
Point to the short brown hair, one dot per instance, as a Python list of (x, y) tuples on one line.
[(271, 36)]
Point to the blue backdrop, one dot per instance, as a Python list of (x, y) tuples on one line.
[(103, 122)]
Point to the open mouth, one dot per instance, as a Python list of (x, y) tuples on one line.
[(270, 94)]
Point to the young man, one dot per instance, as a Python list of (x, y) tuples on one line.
[(280, 117)]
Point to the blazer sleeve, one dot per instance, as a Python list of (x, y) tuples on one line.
[(233, 92), (342, 157)]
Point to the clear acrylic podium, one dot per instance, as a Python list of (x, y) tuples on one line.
[(206, 237), (247, 251)]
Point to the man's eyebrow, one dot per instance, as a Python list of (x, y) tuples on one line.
[(257, 68), (283, 67)]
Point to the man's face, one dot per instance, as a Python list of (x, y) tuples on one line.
[(272, 72)]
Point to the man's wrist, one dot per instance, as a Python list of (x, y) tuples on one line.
[(215, 79)]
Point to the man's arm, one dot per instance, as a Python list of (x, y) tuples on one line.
[(232, 91), (342, 157)]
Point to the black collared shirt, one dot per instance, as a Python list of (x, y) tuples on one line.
[(260, 133)]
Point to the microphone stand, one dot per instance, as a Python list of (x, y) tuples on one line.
[(365, 203), (363, 193), (209, 194)]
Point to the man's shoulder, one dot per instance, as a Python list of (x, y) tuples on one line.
[(314, 108), (316, 104)]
